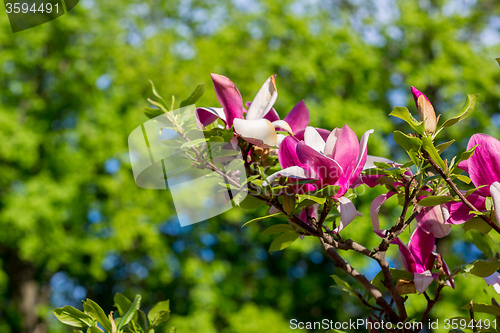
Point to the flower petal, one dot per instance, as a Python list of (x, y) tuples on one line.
[(370, 160), (363, 148), (293, 172), (331, 141), (432, 220), (264, 100), (495, 195), (346, 150), (259, 131), (229, 97), (347, 212), (422, 280), (281, 124), (416, 94), (421, 246), (326, 169), (375, 208), (206, 116), (484, 164), (313, 139), (460, 212), (323, 132), (287, 153), (298, 117)]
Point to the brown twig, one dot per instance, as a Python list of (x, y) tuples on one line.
[(455, 189), (431, 302)]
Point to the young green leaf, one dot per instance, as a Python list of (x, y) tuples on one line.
[(404, 114), (435, 200), (195, 95), (431, 150), (156, 92), (467, 109), (283, 241), (152, 112), (407, 142), (73, 317), (262, 218), (483, 308), (160, 313), (122, 303), (130, 313), (442, 147), (277, 229), (95, 311)]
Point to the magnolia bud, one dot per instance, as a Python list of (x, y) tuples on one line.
[(425, 111)]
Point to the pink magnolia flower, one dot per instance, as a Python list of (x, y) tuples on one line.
[(259, 125), (338, 160)]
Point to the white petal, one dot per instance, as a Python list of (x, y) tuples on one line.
[(363, 146), (293, 172), (282, 124), (264, 100), (371, 159), (314, 140), (331, 141), (495, 195), (347, 213), (492, 279), (422, 280), (281, 137), (259, 131), (273, 210)]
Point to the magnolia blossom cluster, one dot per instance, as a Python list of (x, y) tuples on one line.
[(337, 157)]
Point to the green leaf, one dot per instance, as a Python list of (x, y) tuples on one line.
[(483, 308), (442, 147), (463, 178), (94, 329), (456, 330), (431, 150), (289, 203), (302, 197), (467, 154), (122, 303), (467, 109), (483, 268), (158, 105), (156, 92), (130, 313), (160, 313), (277, 228), (73, 317), (396, 274), (262, 218), (193, 143), (94, 310), (195, 95), (251, 202), (406, 142), (404, 114), (498, 60), (476, 224), (283, 241), (435, 200), (152, 112)]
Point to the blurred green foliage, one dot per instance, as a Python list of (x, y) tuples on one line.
[(75, 225)]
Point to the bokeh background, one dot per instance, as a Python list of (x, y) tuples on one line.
[(73, 224)]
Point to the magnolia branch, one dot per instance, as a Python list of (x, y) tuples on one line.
[(455, 189)]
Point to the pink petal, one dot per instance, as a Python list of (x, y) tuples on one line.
[(484, 164), (298, 117), (375, 208), (460, 213), (363, 148), (264, 100), (432, 220), (323, 132), (229, 97), (347, 212), (326, 169), (416, 94), (287, 153), (206, 116), (421, 246)]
